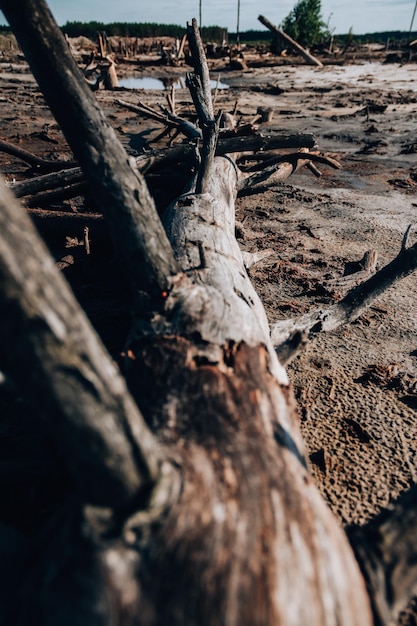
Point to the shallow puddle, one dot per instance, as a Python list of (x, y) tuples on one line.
[(150, 82)]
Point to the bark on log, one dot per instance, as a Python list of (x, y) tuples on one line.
[(288, 40), (47, 344)]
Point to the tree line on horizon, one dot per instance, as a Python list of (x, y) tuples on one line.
[(137, 29), (209, 33), (219, 33)]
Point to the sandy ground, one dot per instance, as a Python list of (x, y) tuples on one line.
[(357, 388)]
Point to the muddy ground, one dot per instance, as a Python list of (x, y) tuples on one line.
[(357, 388)]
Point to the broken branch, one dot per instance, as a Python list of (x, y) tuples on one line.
[(312, 60), (181, 153), (173, 121), (119, 189), (48, 345), (33, 160), (348, 309)]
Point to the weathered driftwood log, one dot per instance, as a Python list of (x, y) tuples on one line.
[(219, 400), (247, 530), (312, 60)]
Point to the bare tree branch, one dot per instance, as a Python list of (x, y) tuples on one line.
[(199, 86), (172, 121), (47, 344), (200, 68), (124, 198), (47, 182), (42, 165), (158, 158), (284, 333)]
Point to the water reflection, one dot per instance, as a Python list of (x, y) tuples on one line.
[(149, 82)]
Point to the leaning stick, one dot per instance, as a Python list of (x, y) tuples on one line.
[(305, 53)]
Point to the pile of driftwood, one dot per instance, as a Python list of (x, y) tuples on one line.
[(190, 499)]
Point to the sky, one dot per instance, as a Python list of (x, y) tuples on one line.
[(363, 16)]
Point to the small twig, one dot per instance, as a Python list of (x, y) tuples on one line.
[(142, 109), (315, 170), (87, 240), (171, 99), (216, 90), (406, 236)]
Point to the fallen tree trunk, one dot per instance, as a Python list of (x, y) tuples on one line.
[(246, 529)]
